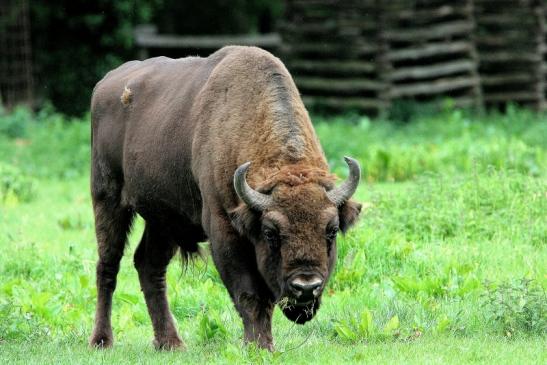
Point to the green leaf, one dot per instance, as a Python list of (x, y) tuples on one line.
[(442, 324), (345, 332), (128, 298), (366, 325), (391, 325), (406, 285), (84, 281), (211, 326)]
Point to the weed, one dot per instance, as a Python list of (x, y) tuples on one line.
[(15, 186), (210, 326), (518, 306), (364, 328), (15, 124)]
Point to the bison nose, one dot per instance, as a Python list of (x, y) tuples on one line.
[(306, 288)]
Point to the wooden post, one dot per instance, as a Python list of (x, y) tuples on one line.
[(16, 79), (332, 50), (511, 46), (430, 51), (540, 71)]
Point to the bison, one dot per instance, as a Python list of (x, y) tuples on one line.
[(219, 149)]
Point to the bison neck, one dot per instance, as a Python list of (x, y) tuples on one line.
[(285, 136), (249, 109), (286, 142)]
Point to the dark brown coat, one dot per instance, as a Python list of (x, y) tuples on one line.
[(168, 136)]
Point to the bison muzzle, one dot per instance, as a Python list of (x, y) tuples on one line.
[(219, 149)]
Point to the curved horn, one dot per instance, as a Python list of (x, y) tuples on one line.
[(251, 197), (342, 193)]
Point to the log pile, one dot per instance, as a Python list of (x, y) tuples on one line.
[(430, 51), (543, 27), (367, 54), (16, 80), (510, 41), (332, 49)]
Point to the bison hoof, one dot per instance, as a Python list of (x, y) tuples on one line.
[(169, 344), (267, 346), (265, 342), (101, 341)]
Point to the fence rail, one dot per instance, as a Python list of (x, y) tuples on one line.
[(366, 54), (478, 52), (147, 37), (16, 79)]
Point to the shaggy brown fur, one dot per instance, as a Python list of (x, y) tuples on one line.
[(167, 137)]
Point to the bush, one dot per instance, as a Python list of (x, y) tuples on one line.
[(217, 16), (14, 185), (364, 328), (75, 42), (54, 145), (450, 142), (517, 307), (15, 124)]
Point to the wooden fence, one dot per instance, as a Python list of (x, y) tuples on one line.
[(16, 81), (510, 40), (430, 50), (332, 50), (367, 54), (147, 38)]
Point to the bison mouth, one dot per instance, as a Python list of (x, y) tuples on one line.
[(298, 312)]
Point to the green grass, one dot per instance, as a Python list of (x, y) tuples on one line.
[(447, 265)]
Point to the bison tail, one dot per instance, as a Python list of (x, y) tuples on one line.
[(189, 253)]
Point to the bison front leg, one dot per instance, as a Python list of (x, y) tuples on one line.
[(235, 262), (257, 319), (151, 259)]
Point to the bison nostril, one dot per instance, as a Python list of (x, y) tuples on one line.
[(306, 288)]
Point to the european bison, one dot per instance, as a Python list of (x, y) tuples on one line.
[(220, 149)]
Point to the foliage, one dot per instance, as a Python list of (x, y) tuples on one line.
[(50, 144), (210, 327), (75, 42), (448, 142), (518, 306), (404, 110), (14, 125), (217, 16), (432, 267), (14, 185), (364, 328)]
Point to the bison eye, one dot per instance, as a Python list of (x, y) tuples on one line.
[(270, 235)]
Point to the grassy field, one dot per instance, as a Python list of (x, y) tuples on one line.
[(448, 264)]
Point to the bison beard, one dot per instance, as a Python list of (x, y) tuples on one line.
[(219, 149)]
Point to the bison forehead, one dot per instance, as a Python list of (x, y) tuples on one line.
[(304, 204), (294, 175), (301, 196)]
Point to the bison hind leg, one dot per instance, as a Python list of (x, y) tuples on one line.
[(112, 224)]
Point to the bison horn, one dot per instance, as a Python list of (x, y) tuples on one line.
[(342, 193), (251, 197)]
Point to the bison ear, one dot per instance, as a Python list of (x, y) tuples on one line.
[(245, 221), (349, 214)]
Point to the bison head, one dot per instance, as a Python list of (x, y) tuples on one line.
[(293, 228)]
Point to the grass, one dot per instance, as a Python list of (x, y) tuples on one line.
[(426, 351), (447, 265)]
